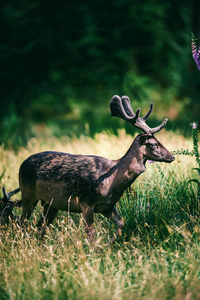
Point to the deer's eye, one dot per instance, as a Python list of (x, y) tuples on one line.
[(154, 145)]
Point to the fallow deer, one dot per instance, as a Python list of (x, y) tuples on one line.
[(6, 206), (89, 184)]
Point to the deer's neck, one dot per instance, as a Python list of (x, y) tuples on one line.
[(123, 172), (132, 164)]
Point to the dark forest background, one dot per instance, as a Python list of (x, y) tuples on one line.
[(62, 61)]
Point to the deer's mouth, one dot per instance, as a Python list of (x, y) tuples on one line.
[(170, 159)]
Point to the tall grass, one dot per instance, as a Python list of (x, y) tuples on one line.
[(156, 257)]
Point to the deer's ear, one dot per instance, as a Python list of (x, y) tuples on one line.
[(143, 139)]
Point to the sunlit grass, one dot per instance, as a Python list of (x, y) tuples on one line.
[(157, 256)]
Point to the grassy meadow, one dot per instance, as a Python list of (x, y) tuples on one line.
[(156, 257)]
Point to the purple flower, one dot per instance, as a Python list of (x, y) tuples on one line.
[(151, 161), (196, 51), (194, 125)]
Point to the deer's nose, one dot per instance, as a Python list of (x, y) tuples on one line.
[(172, 157)]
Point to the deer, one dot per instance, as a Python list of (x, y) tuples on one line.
[(6, 206), (89, 184)]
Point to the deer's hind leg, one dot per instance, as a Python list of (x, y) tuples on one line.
[(29, 201)]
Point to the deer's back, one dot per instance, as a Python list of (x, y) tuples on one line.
[(61, 175)]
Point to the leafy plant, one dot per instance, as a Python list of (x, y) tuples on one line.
[(196, 154)]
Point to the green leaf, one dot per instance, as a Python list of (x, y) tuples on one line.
[(195, 181), (1, 176)]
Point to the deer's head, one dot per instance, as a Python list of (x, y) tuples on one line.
[(6, 206), (148, 145), (152, 149)]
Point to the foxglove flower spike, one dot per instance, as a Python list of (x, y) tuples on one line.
[(195, 51)]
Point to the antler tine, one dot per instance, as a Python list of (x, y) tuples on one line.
[(6, 197), (127, 105), (13, 192), (149, 112), (158, 128)]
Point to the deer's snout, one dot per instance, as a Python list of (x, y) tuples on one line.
[(171, 157)]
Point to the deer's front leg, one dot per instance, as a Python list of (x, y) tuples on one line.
[(88, 217), (113, 214)]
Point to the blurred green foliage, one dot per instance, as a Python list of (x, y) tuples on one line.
[(62, 61)]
